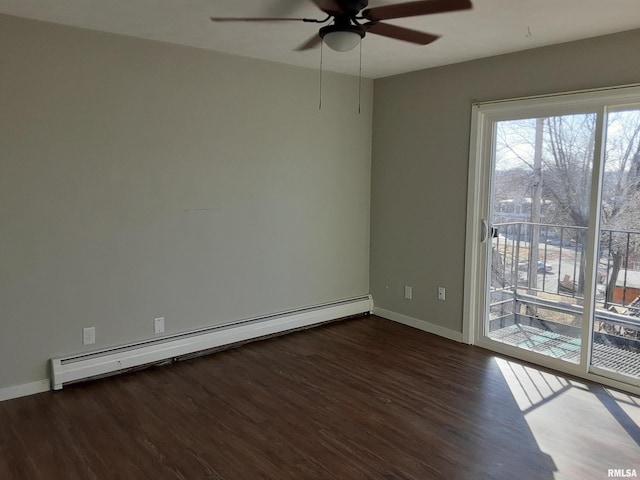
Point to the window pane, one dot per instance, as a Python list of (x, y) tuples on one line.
[(616, 336), (540, 196)]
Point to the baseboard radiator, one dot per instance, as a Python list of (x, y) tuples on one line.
[(75, 368)]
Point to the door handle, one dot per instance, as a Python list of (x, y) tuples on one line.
[(485, 231)]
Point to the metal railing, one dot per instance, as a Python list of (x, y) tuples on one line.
[(542, 266)]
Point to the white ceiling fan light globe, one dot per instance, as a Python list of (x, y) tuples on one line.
[(342, 41)]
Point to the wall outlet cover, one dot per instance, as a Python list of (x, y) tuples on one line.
[(158, 325), (408, 292), (88, 335)]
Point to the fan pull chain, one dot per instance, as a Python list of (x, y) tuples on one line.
[(360, 79), (320, 102)]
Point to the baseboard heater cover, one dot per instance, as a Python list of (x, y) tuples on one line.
[(74, 368)]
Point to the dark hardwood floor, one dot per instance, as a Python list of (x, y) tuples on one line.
[(363, 398)]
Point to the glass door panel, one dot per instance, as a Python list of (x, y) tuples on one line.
[(616, 332), (540, 192)]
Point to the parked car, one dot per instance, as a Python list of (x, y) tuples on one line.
[(544, 268)]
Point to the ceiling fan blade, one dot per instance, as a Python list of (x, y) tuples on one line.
[(330, 7), (412, 9), (311, 43), (401, 33), (249, 19)]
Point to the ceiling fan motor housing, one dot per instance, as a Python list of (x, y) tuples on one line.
[(345, 21)]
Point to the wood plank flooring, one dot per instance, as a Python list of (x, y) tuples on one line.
[(364, 398)]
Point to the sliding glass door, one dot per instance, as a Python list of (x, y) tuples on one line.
[(554, 232)]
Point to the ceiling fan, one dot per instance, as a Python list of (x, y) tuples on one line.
[(347, 28)]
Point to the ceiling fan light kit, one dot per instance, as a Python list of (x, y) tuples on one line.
[(341, 39)]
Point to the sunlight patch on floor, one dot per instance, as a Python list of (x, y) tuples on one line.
[(553, 406)]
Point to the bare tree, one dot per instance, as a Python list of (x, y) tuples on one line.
[(568, 158), (569, 145), (621, 193), (566, 153)]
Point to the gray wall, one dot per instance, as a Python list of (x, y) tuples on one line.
[(421, 132), (140, 179)]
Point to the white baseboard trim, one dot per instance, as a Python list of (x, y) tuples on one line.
[(17, 391), (419, 324)]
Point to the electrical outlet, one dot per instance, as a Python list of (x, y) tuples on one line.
[(88, 335), (408, 292), (158, 325), (442, 293)]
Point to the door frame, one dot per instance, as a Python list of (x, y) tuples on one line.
[(483, 117)]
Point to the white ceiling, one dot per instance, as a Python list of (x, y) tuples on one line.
[(492, 27)]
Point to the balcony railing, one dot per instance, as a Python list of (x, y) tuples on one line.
[(559, 261), (537, 281)]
